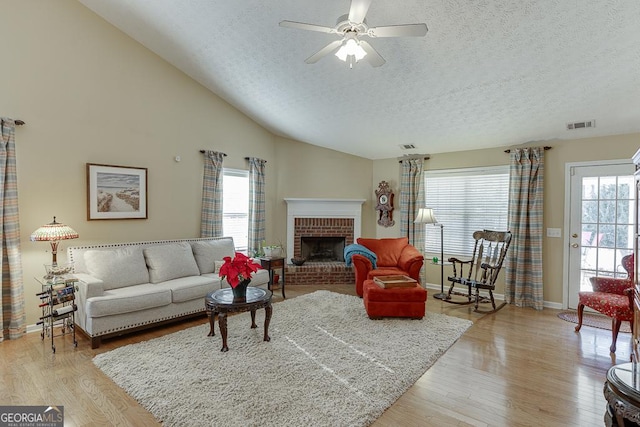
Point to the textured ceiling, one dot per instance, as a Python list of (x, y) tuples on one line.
[(488, 73)]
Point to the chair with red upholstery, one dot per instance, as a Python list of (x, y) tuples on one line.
[(612, 297), (395, 256)]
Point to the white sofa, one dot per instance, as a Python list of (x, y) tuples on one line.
[(128, 286)]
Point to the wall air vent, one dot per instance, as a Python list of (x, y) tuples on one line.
[(581, 125), (407, 146)]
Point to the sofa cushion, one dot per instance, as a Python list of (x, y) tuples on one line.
[(207, 253), (127, 300), (117, 268), (170, 261), (387, 250), (190, 288)]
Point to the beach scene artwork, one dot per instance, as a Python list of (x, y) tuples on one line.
[(118, 192)]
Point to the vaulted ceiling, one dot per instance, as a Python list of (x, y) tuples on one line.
[(489, 73)]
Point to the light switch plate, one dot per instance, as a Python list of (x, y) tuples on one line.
[(554, 232)]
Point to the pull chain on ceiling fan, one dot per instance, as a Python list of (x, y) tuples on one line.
[(351, 27)]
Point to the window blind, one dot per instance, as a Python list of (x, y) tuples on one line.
[(464, 201)]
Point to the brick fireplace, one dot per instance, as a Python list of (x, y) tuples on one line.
[(319, 229), (321, 234)]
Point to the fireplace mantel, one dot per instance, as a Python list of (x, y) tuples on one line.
[(322, 208)]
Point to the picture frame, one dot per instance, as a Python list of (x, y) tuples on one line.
[(116, 192)]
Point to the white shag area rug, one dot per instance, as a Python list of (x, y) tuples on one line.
[(327, 364)]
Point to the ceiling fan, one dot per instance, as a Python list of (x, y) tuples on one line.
[(351, 27)]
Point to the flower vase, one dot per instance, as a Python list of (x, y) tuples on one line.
[(240, 291)]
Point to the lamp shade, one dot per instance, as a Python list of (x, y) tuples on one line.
[(425, 216), (53, 231)]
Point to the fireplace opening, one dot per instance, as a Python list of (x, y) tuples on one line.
[(322, 249)]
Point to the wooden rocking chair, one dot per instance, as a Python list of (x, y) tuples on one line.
[(481, 270)]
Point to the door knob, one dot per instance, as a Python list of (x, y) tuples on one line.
[(575, 245)]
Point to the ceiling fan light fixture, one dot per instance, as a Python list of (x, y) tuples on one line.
[(351, 26), (351, 47)]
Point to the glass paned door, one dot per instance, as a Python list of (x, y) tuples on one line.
[(602, 213)]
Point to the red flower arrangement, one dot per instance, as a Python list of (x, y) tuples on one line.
[(237, 270)]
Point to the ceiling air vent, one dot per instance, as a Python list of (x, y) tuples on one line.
[(407, 146), (581, 125)]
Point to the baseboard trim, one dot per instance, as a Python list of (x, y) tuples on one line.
[(547, 304)]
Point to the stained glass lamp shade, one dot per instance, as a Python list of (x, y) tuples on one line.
[(53, 233)]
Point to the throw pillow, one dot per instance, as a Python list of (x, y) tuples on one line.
[(217, 266), (170, 261), (117, 268), (207, 252)]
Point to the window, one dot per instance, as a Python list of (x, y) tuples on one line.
[(235, 207), (465, 200)]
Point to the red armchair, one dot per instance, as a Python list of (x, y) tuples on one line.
[(395, 256), (611, 297)]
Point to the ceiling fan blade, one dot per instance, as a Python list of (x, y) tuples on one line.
[(309, 27), (323, 52), (373, 57), (408, 30), (358, 10)]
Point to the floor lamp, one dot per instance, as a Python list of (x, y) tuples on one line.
[(426, 216)]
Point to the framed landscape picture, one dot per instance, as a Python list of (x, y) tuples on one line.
[(116, 192)]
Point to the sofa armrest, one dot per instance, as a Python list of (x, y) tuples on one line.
[(411, 261), (362, 267), (408, 256), (88, 287)]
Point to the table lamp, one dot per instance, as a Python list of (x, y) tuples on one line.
[(53, 233), (426, 216)]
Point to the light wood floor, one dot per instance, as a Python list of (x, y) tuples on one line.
[(518, 367)]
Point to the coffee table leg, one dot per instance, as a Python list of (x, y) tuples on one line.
[(267, 318), (212, 319), (253, 319), (222, 321)]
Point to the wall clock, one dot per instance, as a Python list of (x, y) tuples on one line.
[(384, 204)]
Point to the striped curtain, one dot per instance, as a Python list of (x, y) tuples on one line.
[(211, 217), (256, 204), (12, 309), (412, 199), (523, 270)]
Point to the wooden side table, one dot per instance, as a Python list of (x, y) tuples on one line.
[(274, 263)]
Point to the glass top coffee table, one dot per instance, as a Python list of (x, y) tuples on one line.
[(219, 303)]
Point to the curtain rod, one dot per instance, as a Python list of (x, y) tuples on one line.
[(414, 157), (204, 151), (545, 149), (247, 158), (20, 122)]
